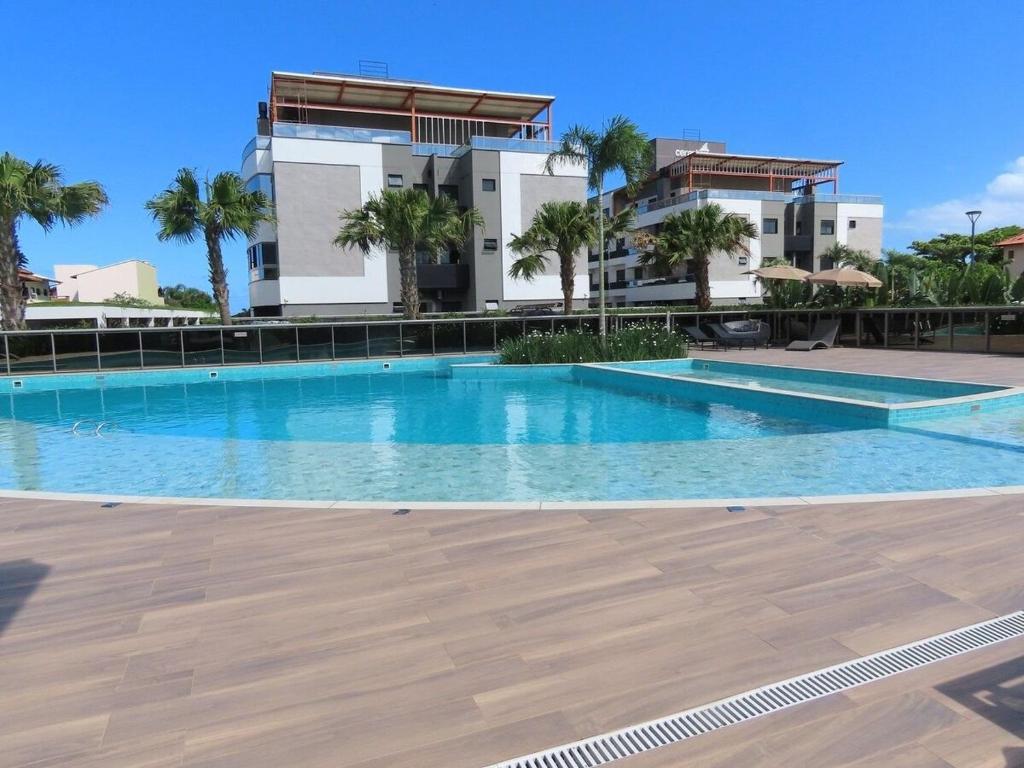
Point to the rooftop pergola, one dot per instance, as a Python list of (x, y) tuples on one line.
[(517, 112), (791, 169)]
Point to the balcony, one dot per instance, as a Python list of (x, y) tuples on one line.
[(432, 277), (743, 194), (341, 133)]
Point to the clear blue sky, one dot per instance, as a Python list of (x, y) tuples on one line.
[(921, 99)]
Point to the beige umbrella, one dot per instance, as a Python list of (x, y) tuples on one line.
[(779, 272), (845, 277)]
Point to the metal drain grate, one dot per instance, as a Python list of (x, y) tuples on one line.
[(599, 750)]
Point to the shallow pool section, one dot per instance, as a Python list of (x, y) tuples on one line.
[(415, 432), (852, 386)]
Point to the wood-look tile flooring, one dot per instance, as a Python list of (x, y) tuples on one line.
[(140, 635), (954, 366)]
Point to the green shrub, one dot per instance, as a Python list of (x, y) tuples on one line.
[(637, 341)]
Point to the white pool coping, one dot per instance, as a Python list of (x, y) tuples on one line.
[(524, 506)]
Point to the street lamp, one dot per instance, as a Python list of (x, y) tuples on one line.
[(973, 216)]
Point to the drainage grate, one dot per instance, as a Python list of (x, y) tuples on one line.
[(599, 750)]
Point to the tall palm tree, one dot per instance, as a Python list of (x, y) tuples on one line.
[(38, 192), (563, 227), (222, 209), (619, 146), (694, 235), (407, 220)]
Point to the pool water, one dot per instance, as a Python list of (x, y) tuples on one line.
[(420, 435), (853, 386)]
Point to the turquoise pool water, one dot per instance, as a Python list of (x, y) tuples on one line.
[(414, 433), (877, 389)]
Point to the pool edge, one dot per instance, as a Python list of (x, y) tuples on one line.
[(522, 506)]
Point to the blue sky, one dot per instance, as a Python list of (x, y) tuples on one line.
[(921, 99)]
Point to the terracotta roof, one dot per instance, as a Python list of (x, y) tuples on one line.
[(1015, 240)]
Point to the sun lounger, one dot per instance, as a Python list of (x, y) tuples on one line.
[(699, 337), (822, 337), (740, 333)]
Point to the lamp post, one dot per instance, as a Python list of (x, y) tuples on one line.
[(973, 216)]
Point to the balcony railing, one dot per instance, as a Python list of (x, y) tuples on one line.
[(256, 142), (341, 133), (738, 194), (439, 276)]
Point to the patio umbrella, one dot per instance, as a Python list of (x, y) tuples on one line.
[(845, 277), (779, 272)]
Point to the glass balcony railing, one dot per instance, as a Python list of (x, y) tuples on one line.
[(257, 142), (741, 194), (341, 133), (441, 150)]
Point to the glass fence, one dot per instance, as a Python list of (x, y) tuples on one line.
[(985, 330)]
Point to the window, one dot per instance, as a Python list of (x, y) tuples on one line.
[(770, 227), (449, 190), (799, 227), (828, 227), (263, 182), (490, 244), (638, 273), (263, 261), (1009, 255), (395, 180), (489, 185), (743, 261), (620, 275), (422, 187), (606, 212), (853, 223), (620, 243)]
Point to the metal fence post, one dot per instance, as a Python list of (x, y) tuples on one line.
[(433, 338), (99, 360), (222, 358), (465, 345), (401, 341), (142, 354), (917, 330), (7, 354), (856, 325), (367, 328), (988, 331), (53, 351), (494, 335), (951, 329), (181, 346), (885, 330), (259, 343)]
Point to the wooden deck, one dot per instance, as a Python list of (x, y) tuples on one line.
[(222, 636)]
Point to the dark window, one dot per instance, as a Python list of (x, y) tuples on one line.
[(394, 179), (853, 223), (253, 263), (422, 187), (799, 227), (490, 244), (1009, 255), (451, 190), (638, 273), (489, 185), (620, 275), (742, 261), (828, 227), (606, 212), (620, 243), (770, 227)]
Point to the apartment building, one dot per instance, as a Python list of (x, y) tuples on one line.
[(795, 203), (326, 142)]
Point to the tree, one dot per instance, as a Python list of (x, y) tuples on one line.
[(563, 227), (955, 248), (407, 220), (183, 296), (694, 235), (223, 209), (619, 146), (846, 257), (38, 192)]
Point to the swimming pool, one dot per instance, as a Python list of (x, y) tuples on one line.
[(415, 432)]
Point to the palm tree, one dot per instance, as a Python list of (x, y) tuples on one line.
[(407, 220), (563, 227), (37, 191), (226, 211), (694, 235), (620, 146), (841, 255)]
